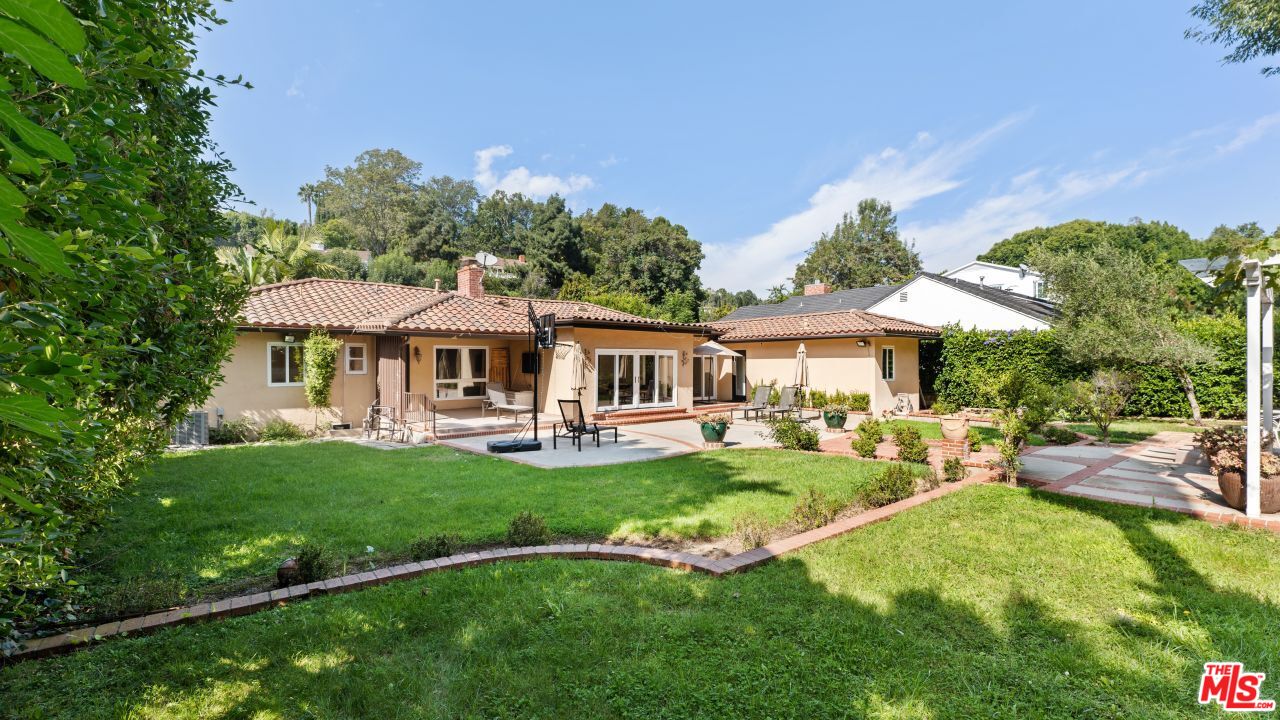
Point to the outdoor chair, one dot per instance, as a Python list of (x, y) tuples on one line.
[(575, 425), (787, 403), (380, 419), (759, 402), (486, 404), (500, 400)]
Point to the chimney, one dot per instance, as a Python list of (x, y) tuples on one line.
[(817, 288), (471, 278), (520, 259)]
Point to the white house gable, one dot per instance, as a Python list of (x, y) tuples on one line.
[(930, 302)]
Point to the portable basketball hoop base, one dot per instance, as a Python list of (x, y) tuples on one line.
[(542, 334)]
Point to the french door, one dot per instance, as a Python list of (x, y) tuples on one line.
[(635, 379), (704, 378)]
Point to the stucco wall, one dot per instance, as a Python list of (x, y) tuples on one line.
[(932, 303), (837, 364), (245, 393), (594, 339)]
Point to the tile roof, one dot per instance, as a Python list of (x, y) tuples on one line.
[(840, 323), (379, 307), (853, 299)]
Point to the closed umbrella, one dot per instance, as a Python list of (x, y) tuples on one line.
[(802, 369)]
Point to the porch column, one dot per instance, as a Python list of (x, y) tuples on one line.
[(1253, 387), (1268, 366)]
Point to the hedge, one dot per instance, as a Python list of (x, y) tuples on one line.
[(970, 357)]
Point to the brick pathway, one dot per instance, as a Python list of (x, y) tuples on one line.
[(1165, 471), (247, 604)]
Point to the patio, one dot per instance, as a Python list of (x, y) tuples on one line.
[(641, 441), (1165, 471)]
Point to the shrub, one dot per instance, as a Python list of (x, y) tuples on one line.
[(320, 365), (791, 434), (279, 430), (971, 358), (527, 529), (871, 428), (930, 479), (864, 446), (910, 447), (942, 407), (752, 530), (1057, 435), (314, 562), (895, 483), (814, 509), (975, 440), (953, 469), (434, 546), (231, 432), (1010, 461), (1101, 398)]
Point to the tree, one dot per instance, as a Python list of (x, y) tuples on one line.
[(555, 249), (1116, 309), (443, 210), (349, 264), (860, 252), (290, 257), (501, 225), (631, 253), (438, 269), (375, 195), (320, 365), (1101, 398), (1250, 28), (307, 194), (338, 233), (718, 303), (396, 268), (1153, 241), (777, 294), (115, 315)]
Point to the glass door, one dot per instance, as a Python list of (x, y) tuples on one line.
[(704, 378), (634, 379)]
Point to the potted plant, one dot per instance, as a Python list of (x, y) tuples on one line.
[(835, 416), (955, 426), (714, 426), (1229, 464)]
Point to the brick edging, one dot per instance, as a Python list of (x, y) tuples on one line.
[(247, 604)]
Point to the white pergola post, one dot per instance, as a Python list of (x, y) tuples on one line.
[(1268, 367), (1260, 376)]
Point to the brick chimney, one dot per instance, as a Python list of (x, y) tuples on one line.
[(817, 288), (471, 278), (520, 259)]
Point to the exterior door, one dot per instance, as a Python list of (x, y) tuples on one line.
[(740, 378), (628, 379), (704, 378)]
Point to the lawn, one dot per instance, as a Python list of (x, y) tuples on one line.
[(991, 602), (1129, 431), (933, 430), (208, 518)]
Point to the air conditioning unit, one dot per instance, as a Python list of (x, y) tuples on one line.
[(193, 430)]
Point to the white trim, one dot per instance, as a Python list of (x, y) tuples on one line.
[(888, 363), (984, 263), (287, 363), (462, 358), (364, 359), (636, 352), (919, 278)]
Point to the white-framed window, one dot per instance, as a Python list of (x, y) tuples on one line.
[(888, 369), (357, 359), (1037, 289), (284, 364), (635, 378), (462, 372)]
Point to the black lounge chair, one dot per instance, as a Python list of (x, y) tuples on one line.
[(575, 425), (759, 402)]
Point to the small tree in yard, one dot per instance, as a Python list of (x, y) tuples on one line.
[(1116, 309), (319, 365), (1101, 398)]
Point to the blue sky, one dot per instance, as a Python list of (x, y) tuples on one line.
[(756, 125)]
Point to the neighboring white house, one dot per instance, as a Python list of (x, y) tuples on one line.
[(1022, 280), (927, 299)]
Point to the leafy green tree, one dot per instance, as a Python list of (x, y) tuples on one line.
[(1250, 28), (115, 314), (679, 306), (860, 252), (1153, 241), (501, 225), (1101, 398), (555, 248), (375, 194), (632, 253), (291, 257), (349, 264), (245, 228), (338, 233), (396, 268), (777, 294), (320, 365), (439, 269), (1116, 309), (582, 287), (443, 210)]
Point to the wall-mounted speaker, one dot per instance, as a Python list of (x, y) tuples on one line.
[(529, 363)]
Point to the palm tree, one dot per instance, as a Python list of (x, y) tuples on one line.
[(245, 264), (307, 194), (292, 258)]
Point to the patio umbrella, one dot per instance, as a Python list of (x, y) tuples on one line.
[(802, 368)]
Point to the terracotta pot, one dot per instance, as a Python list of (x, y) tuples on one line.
[(714, 432), (1231, 485), (955, 427)]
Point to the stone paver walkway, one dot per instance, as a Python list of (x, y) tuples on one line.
[(1165, 471)]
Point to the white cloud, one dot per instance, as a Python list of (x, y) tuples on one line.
[(1250, 133), (903, 178), (521, 179), (299, 77), (609, 161)]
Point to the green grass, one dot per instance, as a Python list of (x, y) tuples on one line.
[(1129, 431), (991, 602), (206, 518)]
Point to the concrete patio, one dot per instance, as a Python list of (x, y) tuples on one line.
[(1165, 471), (642, 441)]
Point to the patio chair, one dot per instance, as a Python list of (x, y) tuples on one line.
[(486, 404), (787, 404), (575, 425), (759, 402), (380, 419), (500, 401)]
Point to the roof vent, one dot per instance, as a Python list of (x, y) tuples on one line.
[(902, 297)]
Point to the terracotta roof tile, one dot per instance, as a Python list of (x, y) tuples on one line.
[(377, 307), (841, 323)]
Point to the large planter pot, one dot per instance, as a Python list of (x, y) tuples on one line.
[(955, 427), (834, 421), (1231, 485), (714, 432)]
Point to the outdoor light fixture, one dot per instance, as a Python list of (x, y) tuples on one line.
[(862, 343), (288, 338), (417, 354)]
